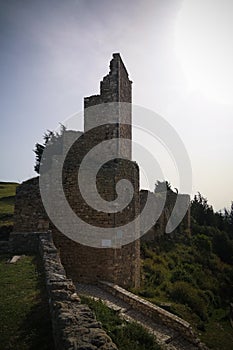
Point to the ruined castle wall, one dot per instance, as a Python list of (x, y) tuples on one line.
[(159, 229), (88, 264), (115, 87), (83, 263), (29, 213)]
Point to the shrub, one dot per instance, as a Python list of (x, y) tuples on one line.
[(133, 336), (126, 336), (203, 244), (147, 293), (184, 293), (180, 274)]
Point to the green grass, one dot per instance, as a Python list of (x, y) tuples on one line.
[(7, 198), (195, 286), (127, 336), (218, 334), (24, 313), (7, 189)]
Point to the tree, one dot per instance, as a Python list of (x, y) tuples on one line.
[(203, 244), (52, 141), (39, 149), (228, 220), (223, 247), (201, 211)]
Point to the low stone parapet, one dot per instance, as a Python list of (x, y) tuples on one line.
[(74, 324), (155, 312)]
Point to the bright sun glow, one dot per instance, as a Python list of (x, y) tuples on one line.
[(204, 47)]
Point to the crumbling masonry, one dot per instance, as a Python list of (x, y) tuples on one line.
[(120, 265), (83, 263)]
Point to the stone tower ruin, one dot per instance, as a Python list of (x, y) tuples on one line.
[(84, 263), (107, 122)]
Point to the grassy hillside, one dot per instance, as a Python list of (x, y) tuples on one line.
[(24, 320), (192, 276), (7, 198), (192, 282)]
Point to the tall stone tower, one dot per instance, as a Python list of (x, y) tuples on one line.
[(107, 117), (114, 88)]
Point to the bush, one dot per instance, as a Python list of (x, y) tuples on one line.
[(180, 274), (223, 247), (184, 293), (203, 244), (147, 293), (133, 336), (126, 336), (155, 274)]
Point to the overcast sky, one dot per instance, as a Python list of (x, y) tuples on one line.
[(178, 54)]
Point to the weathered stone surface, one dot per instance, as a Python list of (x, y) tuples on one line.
[(15, 259), (159, 229), (155, 313), (82, 262), (74, 324)]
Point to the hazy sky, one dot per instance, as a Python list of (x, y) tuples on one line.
[(178, 53)]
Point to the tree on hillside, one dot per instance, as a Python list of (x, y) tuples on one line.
[(223, 246), (201, 211), (228, 218)]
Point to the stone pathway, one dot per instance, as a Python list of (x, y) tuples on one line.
[(165, 336)]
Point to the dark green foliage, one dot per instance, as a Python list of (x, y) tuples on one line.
[(228, 221), (195, 281), (202, 213), (53, 145), (39, 149), (133, 336), (181, 274), (203, 244), (126, 336), (223, 246), (184, 293), (193, 276)]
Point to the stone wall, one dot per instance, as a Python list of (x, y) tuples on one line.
[(154, 312), (20, 243), (159, 229), (88, 264), (114, 88), (74, 324), (29, 213), (83, 263)]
